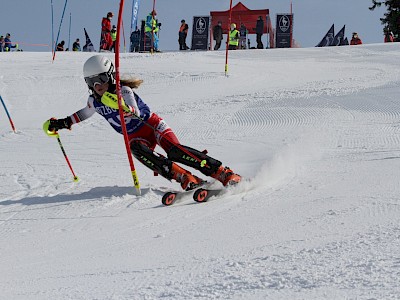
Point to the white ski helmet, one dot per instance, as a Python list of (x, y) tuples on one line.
[(98, 69)]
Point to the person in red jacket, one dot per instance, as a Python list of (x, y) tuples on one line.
[(355, 40), (389, 38), (105, 39), (183, 31)]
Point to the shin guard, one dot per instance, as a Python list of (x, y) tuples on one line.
[(205, 164)]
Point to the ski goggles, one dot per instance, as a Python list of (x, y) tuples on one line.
[(98, 79)]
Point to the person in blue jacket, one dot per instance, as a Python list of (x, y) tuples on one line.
[(145, 128), (8, 44), (151, 29)]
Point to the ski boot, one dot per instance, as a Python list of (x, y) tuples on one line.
[(187, 180), (226, 176)]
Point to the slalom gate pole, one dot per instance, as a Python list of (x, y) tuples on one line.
[(120, 109), (227, 39), (69, 31), (152, 27), (123, 35), (52, 28), (59, 29), (66, 158), (8, 115)]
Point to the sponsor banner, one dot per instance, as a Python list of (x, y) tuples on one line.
[(200, 31), (284, 30)]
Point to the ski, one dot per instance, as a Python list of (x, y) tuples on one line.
[(170, 198), (199, 194)]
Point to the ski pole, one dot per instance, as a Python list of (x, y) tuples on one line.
[(56, 135), (9, 118), (76, 179)]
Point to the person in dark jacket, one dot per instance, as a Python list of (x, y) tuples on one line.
[(183, 31), (76, 46), (259, 31), (135, 40), (243, 36), (2, 43), (8, 44), (217, 34), (60, 46)]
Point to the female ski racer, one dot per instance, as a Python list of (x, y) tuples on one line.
[(145, 128)]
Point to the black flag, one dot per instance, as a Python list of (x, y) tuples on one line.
[(89, 46), (339, 38), (328, 38)]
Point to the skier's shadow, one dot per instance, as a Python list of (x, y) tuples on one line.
[(91, 195)]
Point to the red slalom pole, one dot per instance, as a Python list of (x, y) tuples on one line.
[(120, 108), (8, 115)]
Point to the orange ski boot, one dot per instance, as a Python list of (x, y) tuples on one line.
[(187, 180), (226, 176)]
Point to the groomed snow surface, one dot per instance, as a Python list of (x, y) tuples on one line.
[(314, 132)]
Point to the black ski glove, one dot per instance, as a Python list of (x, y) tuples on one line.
[(57, 124)]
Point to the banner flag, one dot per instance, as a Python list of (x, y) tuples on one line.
[(328, 38), (339, 38), (88, 46), (135, 11)]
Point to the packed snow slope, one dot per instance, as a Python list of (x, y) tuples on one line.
[(314, 132)]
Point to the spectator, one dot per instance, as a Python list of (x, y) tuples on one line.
[(8, 44), (389, 38), (106, 40), (183, 31), (151, 29), (135, 41), (355, 40), (217, 34), (259, 32), (60, 46), (243, 36), (233, 37), (76, 46), (113, 37), (2, 43)]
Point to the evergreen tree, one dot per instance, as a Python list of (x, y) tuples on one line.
[(391, 19)]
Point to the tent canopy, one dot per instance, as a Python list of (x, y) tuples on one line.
[(240, 15)]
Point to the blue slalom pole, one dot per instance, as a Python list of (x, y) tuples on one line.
[(9, 118), (52, 28), (59, 29), (69, 33)]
